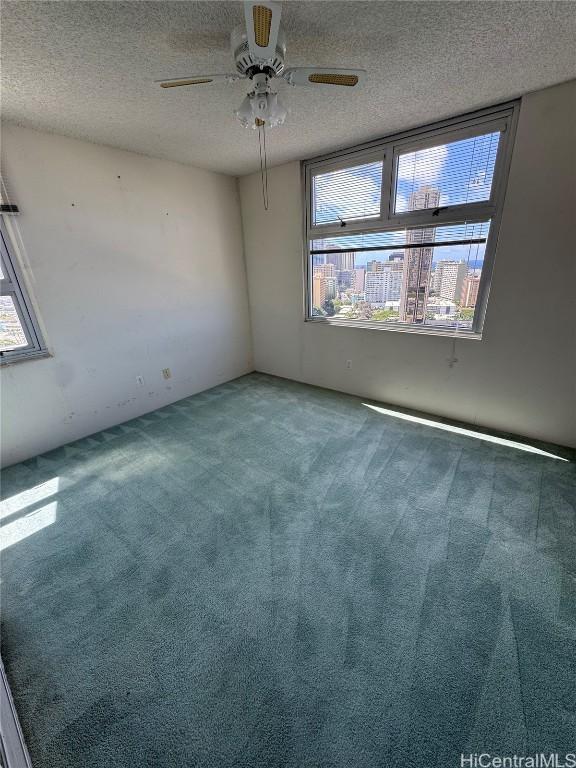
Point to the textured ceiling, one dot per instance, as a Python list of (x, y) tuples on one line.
[(85, 69)]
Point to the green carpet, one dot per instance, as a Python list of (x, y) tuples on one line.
[(271, 575)]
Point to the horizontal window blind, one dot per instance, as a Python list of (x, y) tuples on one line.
[(455, 234), (347, 193), (455, 173)]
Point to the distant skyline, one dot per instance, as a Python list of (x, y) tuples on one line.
[(473, 257), (467, 253), (449, 253)]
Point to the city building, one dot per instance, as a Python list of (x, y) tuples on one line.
[(358, 276), (448, 278), (345, 277), (318, 290), (342, 261), (11, 332), (384, 284), (377, 265), (325, 270), (440, 307), (331, 287), (418, 260), (324, 284), (469, 292)]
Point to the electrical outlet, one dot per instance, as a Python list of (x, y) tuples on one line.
[(167, 373), (140, 381), (348, 364)]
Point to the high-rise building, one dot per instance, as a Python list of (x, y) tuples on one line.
[(358, 280), (324, 284), (345, 278), (376, 265), (343, 260), (384, 284), (469, 294), (325, 270), (339, 260), (331, 287), (418, 261), (448, 279), (318, 291)]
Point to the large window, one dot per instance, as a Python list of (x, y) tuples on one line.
[(401, 233), (20, 336)]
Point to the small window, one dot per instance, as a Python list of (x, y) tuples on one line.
[(347, 193), (20, 336), (12, 334), (455, 173), (401, 233)]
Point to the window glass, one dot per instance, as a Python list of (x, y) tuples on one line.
[(347, 193), (455, 173), (12, 335), (419, 276)]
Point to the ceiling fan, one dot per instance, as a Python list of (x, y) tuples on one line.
[(259, 52)]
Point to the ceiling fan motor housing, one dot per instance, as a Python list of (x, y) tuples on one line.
[(247, 65)]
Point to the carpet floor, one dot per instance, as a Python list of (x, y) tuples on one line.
[(270, 575)]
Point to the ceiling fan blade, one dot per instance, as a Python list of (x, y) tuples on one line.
[(324, 76), (175, 82), (262, 27)]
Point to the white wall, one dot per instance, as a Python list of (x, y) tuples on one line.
[(521, 376), (136, 265)]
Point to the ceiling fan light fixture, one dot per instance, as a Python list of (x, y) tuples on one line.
[(276, 111), (244, 112), (261, 109)]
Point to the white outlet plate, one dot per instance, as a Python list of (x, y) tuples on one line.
[(348, 364), (167, 373), (140, 381)]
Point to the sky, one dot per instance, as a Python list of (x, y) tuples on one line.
[(462, 171)]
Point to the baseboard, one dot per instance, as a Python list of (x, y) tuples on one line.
[(566, 451)]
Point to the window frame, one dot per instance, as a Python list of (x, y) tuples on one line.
[(12, 284), (362, 158), (501, 118)]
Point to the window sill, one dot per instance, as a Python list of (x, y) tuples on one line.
[(398, 328), (21, 358)]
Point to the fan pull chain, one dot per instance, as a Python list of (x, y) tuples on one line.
[(263, 162)]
